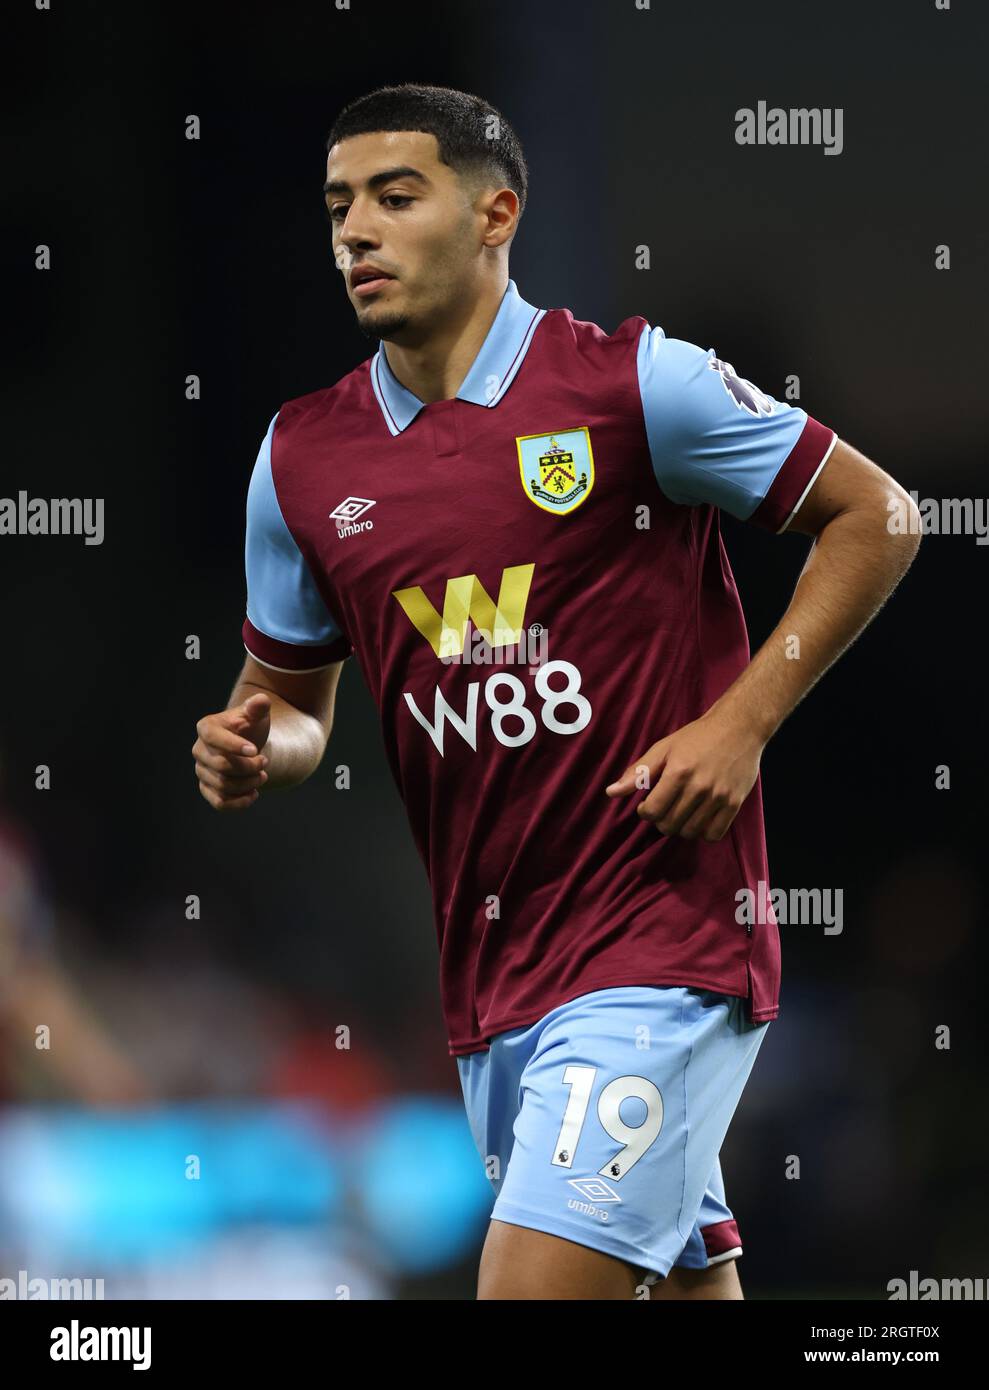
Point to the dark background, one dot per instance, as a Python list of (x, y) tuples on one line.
[(173, 257)]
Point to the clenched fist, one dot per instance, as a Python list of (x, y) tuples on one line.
[(698, 777), (229, 762)]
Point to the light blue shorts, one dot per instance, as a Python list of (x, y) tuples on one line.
[(603, 1121)]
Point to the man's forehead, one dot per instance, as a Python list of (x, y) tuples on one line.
[(359, 156)]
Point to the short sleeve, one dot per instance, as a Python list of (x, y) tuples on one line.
[(715, 438), (288, 626)]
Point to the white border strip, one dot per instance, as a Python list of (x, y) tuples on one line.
[(807, 489), (288, 670), (518, 359), (728, 1255), (385, 410)]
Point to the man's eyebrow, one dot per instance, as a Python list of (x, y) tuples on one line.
[(401, 171)]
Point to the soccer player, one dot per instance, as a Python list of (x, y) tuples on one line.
[(511, 519)]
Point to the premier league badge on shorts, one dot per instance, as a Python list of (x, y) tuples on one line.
[(557, 469)]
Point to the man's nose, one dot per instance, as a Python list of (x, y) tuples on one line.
[(357, 234)]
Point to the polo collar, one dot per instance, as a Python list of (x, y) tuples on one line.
[(492, 371)]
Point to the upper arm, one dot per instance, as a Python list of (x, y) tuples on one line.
[(288, 627), (715, 438), (849, 481)]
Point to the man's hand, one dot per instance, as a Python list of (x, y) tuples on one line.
[(699, 777), (229, 762)]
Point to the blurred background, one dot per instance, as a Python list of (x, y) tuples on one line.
[(289, 1038)]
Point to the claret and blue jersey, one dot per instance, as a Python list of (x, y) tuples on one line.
[(572, 487)]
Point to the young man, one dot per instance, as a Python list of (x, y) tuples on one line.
[(588, 811)]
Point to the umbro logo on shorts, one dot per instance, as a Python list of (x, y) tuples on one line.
[(595, 1189)]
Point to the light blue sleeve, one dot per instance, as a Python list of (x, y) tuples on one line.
[(713, 436), (282, 600)]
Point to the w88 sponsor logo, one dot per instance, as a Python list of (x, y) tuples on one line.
[(510, 708)]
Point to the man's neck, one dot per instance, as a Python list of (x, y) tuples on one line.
[(435, 370)]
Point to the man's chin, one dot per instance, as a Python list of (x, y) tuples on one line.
[(382, 323)]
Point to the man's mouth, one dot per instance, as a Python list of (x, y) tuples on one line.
[(368, 279)]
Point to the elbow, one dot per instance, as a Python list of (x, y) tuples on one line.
[(903, 519), (915, 526)]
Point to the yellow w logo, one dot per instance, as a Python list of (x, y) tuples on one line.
[(500, 624)]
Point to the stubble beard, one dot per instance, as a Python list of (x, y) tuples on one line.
[(385, 326)]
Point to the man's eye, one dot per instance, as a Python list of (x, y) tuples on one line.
[(338, 212), (396, 199)]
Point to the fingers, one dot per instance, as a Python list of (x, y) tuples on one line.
[(636, 776), (220, 802), (256, 703), (216, 732), (668, 804), (235, 783), (674, 809), (229, 770), (644, 771), (235, 764), (719, 824), (695, 790), (694, 824), (255, 707), (665, 801), (692, 812), (226, 792)]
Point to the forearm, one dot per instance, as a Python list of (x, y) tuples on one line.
[(296, 742), (854, 565)]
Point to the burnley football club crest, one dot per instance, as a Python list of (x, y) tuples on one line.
[(557, 469)]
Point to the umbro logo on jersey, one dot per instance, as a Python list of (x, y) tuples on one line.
[(345, 515), (743, 393)]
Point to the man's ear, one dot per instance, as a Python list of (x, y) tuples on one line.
[(502, 211)]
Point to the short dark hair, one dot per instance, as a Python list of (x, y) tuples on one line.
[(461, 122)]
